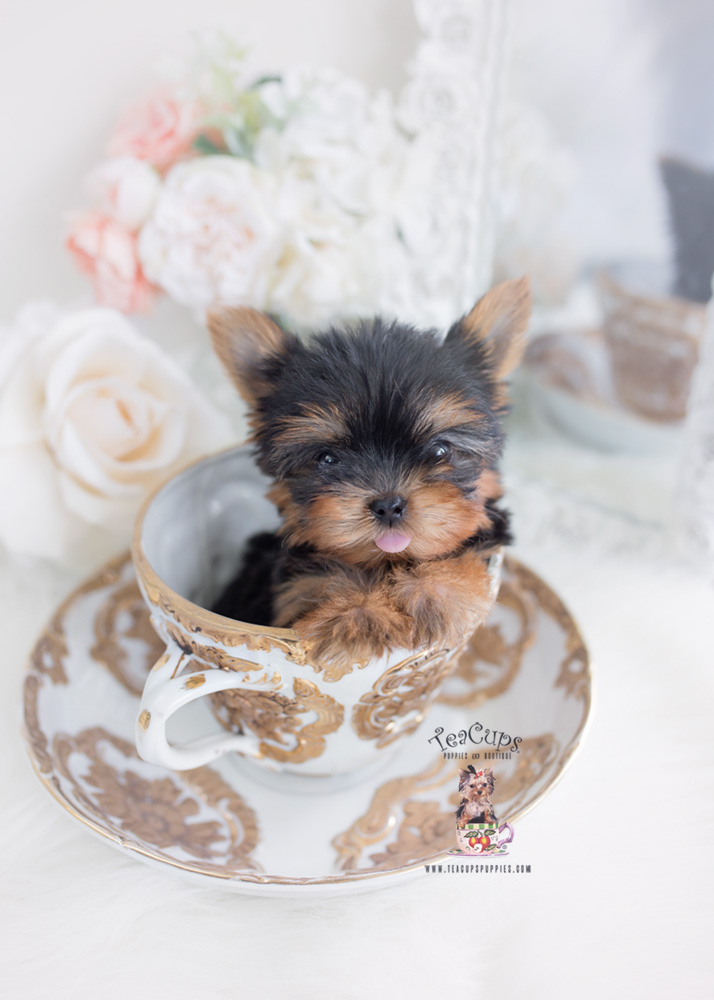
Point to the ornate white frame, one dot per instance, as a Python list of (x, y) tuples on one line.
[(451, 103)]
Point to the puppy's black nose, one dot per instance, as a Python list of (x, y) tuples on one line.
[(388, 509)]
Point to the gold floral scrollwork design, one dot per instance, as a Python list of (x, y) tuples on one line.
[(160, 815), (426, 828), (214, 655), (489, 663), (195, 620), (36, 738), (51, 648), (49, 651), (124, 615), (411, 830), (574, 675), (404, 691), (537, 756), (277, 720)]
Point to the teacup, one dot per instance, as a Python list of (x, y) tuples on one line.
[(282, 709), (484, 838)]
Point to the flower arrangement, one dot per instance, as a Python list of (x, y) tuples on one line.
[(290, 193), (300, 194)]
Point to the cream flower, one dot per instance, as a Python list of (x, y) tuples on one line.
[(212, 238), (92, 416)]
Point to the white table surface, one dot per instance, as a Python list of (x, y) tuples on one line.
[(618, 900)]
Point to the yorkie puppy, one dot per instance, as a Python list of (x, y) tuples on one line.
[(476, 789), (383, 445)]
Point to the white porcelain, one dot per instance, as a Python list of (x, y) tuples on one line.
[(526, 672), (604, 427), (569, 379), (291, 714)]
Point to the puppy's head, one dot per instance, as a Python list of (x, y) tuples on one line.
[(383, 441), (476, 786)]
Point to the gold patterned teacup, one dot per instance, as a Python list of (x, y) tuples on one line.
[(279, 708)]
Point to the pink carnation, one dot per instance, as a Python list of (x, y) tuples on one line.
[(159, 129), (106, 251)]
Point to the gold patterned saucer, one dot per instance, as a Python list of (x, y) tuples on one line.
[(526, 673)]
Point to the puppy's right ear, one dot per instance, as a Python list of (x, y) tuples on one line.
[(251, 347), (463, 777), (497, 326)]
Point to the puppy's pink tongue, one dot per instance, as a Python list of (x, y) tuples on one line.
[(393, 541)]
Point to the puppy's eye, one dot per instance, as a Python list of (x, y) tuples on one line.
[(327, 458), (440, 450)]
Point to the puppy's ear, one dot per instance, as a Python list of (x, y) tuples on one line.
[(498, 323), (463, 777), (251, 347)]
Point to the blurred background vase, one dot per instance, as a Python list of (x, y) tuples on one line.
[(653, 340)]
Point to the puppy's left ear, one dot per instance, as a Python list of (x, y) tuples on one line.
[(498, 324), (251, 347)]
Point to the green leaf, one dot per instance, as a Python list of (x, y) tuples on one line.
[(269, 78), (205, 146), (238, 143)]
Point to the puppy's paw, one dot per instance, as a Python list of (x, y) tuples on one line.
[(351, 628), (446, 601)]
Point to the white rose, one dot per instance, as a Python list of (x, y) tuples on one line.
[(345, 144), (327, 270), (92, 416), (213, 238), (330, 107), (125, 189), (321, 283)]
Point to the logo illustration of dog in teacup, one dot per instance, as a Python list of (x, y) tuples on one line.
[(477, 828)]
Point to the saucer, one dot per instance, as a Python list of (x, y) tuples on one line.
[(525, 673)]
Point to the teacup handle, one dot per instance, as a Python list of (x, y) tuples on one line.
[(166, 691), (509, 838)]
